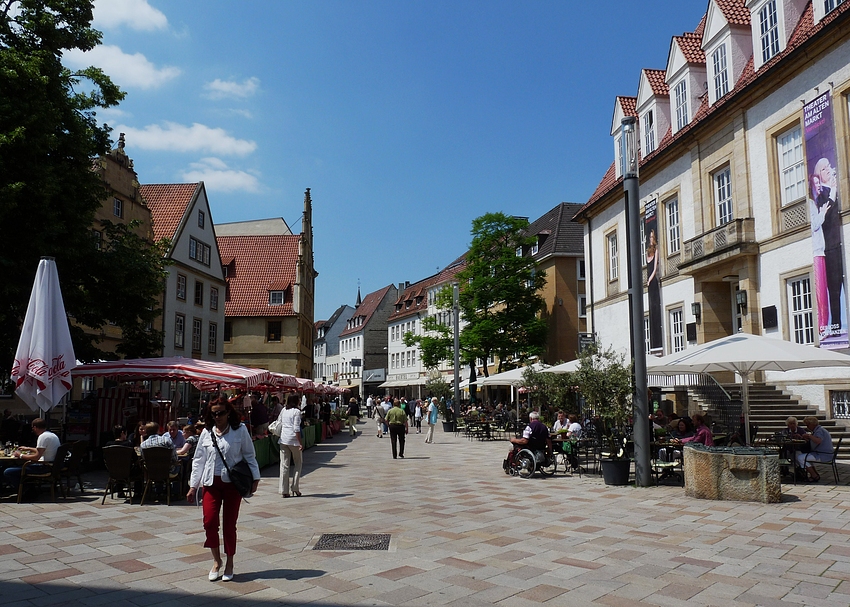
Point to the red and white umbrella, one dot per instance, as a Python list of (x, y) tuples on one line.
[(305, 385), (45, 355), (202, 373)]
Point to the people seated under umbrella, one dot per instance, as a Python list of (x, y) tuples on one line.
[(820, 447)]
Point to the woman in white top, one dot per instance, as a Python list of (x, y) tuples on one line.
[(223, 426), (290, 445)]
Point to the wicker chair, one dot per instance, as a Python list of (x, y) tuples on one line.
[(122, 467), (159, 467), (52, 474)]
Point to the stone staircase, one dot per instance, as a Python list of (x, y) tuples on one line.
[(769, 408)]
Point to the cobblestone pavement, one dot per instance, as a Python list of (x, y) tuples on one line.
[(463, 533)]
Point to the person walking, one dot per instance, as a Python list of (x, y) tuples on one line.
[(397, 421), (417, 416), (291, 447), (353, 414), (379, 419), (224, 439), (432, 420)]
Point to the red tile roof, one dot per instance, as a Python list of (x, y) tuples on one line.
[(657, 82), (420, 289), (260, 264), (628, 105), (366, 310), (168, 203), (806, 28), (734, 11), (691, 46)]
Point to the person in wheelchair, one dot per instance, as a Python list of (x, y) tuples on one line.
[(535, 437)]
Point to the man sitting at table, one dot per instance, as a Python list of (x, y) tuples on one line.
[(44, 451), (561, 424), (535, 436)]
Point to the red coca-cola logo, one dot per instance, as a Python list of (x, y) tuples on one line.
[(36, 367)]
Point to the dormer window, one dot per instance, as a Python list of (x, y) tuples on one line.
[(680, 96), (720, 71), (276, 298), (519, 251), (648, 125), (535, 247), (768, 30)]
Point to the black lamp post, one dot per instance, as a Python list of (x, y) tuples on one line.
[(631, 186)]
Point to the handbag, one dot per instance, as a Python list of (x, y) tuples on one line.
[(274, 428), (240, 474)]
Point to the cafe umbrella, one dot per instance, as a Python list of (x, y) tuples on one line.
[(45, 354), (745, 354)]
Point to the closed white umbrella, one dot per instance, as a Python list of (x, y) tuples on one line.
[(744, 354), (510, 378), (45, 355)]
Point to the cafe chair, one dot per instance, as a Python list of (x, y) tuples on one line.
[(78, 452), (52, 474), (833, 462), (159, 468), (122, 467), (667, 464)]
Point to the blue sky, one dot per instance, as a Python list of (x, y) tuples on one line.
[(407, 119)]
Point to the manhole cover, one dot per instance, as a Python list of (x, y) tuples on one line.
[(353, 541)]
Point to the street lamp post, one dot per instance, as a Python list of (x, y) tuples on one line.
[(456, 315), (631, 187)]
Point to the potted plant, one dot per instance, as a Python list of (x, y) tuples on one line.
[(605, 381)]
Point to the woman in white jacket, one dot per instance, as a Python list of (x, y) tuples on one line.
[(290, 445), (223, 426)]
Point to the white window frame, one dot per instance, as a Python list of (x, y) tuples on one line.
[(613, 257), (276, 298), (676, 318), (674, 234), (212, 339), (768, 30), (181, 287), (582, 306), (118, 208), (722, 181), (801, 325), (680, 95), (179, 331), (213, 298), (197, 328), (792, 170), (580, 269), (721, 72), (648, 125)]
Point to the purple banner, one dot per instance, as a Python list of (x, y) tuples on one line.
[(825, 214)]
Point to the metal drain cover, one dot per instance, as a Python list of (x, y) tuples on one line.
[(353, 541)]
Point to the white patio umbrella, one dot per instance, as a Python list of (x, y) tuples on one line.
[(45, 355), (512, 378), (744, 354), (568, 367)]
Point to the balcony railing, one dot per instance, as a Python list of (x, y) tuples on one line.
[(729, 240)]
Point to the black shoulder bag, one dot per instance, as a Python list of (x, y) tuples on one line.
[(240, 474)]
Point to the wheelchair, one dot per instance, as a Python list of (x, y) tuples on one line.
[(524, 462)]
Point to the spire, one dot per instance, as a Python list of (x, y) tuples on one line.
[(359, 299)]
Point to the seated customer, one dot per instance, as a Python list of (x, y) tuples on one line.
[(703, 433), (561, 423), (173, 431), (792, 430), (535, 436), (681, 430), (574, 429), (119, 438), (820, 443), (153, 439), (44, 451), (191, 440)]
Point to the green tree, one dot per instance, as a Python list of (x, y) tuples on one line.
[(554, 390), (605, 381), (500, 293), (49, 137)]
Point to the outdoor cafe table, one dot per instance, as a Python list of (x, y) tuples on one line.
[(788, 448)]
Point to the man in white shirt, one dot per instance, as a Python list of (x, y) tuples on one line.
[(44, 451)]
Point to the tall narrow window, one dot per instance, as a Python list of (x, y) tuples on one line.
[(118, 207), (789, 148), (648, 132), (582, 306), (681, 98), (723, 196), (581, 274), (201, 218), (613, 258), (228, 331), (768, 31), (196, 334), (199, 293), (721, 75), (674, 240), (213, 298), (800, 310), (677, 330), (213, 338), (181, 287), (179, 330), (829, 5)]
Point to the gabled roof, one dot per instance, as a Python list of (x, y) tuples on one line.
[(168, 203), (366, 310), (628, 105), (805, 29), (260, 264), (557, 233), (734, 11), (420, 290), (658, 82)]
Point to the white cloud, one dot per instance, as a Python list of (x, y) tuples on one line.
[(125, 69), (217, 176), (136, 14), (220, 89), (174, 137)]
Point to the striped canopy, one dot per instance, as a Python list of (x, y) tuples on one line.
[(200, 372)]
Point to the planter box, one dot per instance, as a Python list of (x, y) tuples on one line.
[(616, 471)]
